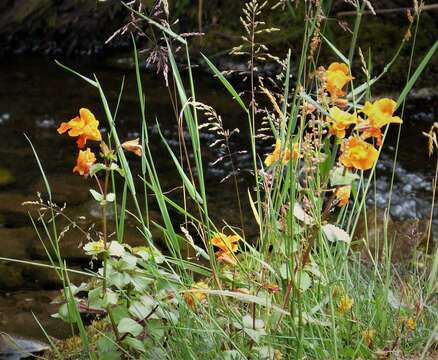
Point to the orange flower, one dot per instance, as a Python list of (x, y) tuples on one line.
[(133, 146), (225, 257), (200, 296), (343, 195), (85, 126), (273, 157), (226, 244), (84, 162), (340, 121), (358, 154), (337, 76)]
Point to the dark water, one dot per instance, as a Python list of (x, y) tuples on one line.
[(36, 95)]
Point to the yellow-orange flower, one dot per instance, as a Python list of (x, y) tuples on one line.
[(345, 304), (133, 146), (380, 113), (85, 127), (84, 162), (340, 121), (337, 76), (226, 243), (273, 157), (358, 154), (343, 195), (196, 295)]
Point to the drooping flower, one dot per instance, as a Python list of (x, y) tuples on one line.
[(85, 127), (345, 304), (226, 243), (343, 195), (85, 160), (133, 146), (340, 121), (358, 154), (337, 76), (193, 295), (273, 157)]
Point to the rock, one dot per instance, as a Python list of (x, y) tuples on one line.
[(11, 276), (14, 347), (68, 188), (6, 178), (16, 243), (16, 317), (12, 210), (404, 236)]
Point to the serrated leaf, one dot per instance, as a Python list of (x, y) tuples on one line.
[(334, 233), (127, 325), (301, 215), (110, 197), (96, 195), (116, 249)]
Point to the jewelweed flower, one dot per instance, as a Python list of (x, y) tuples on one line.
[(85, 127), (337, 76), (273, 157), (133, 146), (345, 304), (343, 195), (340, 121), (225, 257), (94, 247), (226, 243), (85, 160), (196, 295), (358, 154), (368, 336), (380, 113)]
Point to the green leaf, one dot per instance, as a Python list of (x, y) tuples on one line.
[(110, 197), (116, 249), (96, 195), (187, 183), (417, 74), (107, 349), (339, 176), (127, 325), (135, 344), (226, 83), (96, 168), (336, 51)]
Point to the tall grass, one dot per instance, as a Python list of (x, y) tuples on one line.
[(301, 288)]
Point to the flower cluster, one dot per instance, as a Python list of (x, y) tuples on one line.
[(355, 151), (84, 127)]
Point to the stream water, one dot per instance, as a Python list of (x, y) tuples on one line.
[(35, 95)]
